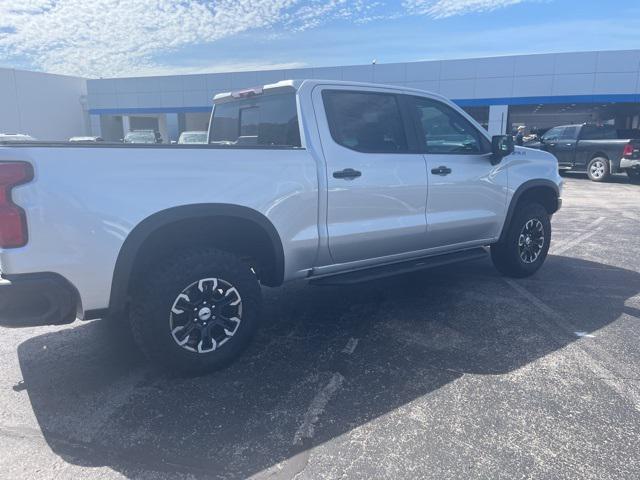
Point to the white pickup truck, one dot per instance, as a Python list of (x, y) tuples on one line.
[(328, 181)]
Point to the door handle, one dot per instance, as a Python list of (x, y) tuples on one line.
[(347, 174), (441, 170)]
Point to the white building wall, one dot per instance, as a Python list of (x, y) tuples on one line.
[(48, 107), (543, 75), (498, 116)]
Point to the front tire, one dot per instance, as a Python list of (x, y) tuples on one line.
[(526, 243), (197, 311), (598, 169)]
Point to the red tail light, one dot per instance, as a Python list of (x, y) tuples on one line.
[(628, 150), (13, 224)]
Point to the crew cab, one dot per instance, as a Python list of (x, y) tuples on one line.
[(332, 182), (594, 149)]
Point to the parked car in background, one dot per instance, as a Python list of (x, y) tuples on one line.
[(333, 182), (143, 136), (193, 137), (86, 139), (16, 137), (595, 149)]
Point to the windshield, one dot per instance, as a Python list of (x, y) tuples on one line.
[(193, 137), (140, 137)]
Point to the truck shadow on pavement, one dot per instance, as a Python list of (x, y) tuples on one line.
[(99, 404)]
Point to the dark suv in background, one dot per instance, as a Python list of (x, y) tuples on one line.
[(595, 149)]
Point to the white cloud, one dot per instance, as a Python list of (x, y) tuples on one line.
[(114, 38), (109, 37), (450, 8), (218, 67)]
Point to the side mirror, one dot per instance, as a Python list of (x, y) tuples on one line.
[(501, 146)]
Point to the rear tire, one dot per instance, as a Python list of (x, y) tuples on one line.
[(197, 311), (634, 176), (598, 169), (526, 243)]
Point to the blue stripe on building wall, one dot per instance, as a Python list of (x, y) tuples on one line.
[(561, 99), (471, 102), (133, 111)]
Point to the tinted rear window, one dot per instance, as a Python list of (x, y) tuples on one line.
[(365, 121), (269, 120), (591, 132)]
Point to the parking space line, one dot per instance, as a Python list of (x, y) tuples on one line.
[(351, 346), (591, 230), (595, 358), (316, 408), (630, 216), (584, 334)]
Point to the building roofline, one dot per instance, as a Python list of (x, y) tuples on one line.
[(426, 60)]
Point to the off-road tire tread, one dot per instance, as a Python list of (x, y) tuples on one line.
[(504, 254), (174, 275)]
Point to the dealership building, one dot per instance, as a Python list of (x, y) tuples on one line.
[(539, 91)]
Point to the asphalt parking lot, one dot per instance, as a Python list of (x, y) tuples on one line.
[(451, 373)]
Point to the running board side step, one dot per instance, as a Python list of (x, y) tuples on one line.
[(424, 263)]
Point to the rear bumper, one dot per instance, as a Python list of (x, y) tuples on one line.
[(32, 300), (630, 163)]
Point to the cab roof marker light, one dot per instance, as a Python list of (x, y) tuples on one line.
[(249, 92)]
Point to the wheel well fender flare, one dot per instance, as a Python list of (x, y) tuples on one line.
[(129, 250), (529, 186)]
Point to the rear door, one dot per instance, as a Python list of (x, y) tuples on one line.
[(467, 194), (377, 183)]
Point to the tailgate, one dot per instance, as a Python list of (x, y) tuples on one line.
[(635, 153)]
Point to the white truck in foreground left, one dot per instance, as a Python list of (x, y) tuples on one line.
[(328, 181)]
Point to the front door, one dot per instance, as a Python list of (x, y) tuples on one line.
[(467, 194), (377, 188), (565, 149), (554, 142)]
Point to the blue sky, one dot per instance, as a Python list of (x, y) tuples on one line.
[(143, 37)]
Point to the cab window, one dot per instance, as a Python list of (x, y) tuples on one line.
[(265, 121), (593, 132), (553, 135), (367, 122), (446, 131), (570, 133)]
